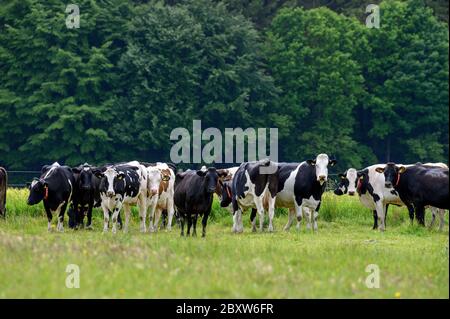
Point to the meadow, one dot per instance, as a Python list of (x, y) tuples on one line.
[(331, 263)]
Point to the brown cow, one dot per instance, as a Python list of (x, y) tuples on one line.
[(3, 187)]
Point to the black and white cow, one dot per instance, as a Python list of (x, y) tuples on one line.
[(55, 189), (86, 195), (300, 188), (122, 185), (418, 186), (370, 187), (193, 196), (254, 185)]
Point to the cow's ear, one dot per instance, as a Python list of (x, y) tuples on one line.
[(311, 162), (401, 169), (76, 170), (342, 176), (222, 172), (120, 175), (97, 172), (44, 168), (201, 173), (28, 185), (332, 162), (379, 169), (165, 178)]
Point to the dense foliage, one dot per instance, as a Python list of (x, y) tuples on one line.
[(114, 89)]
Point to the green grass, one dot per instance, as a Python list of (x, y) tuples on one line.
[(413, 260)]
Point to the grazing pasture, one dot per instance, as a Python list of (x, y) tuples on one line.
[(331, 263)]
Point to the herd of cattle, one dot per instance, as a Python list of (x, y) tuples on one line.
[(157, 189)]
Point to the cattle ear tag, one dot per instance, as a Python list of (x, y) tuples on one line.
[(120, 177), (361, 177)]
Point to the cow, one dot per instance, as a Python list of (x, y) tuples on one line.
[(193, 196), (418, 186), (160, 191), (3, 189), (122, 185), (369, 185), (55, 188), (253, 186), (86, 195), (300, 188)]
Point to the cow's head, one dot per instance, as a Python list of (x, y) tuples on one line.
[(85, 176), (112, 181), (350, 182), (38, 191), (154, 179), (321, 164), (226, 194), (211, 178), (391, 174)]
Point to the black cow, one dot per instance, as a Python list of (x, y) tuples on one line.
[(301, 186), (418, 185), (55, 188), (120, 185), (194, 196), (3, 188), (86, 195), (254, 185)]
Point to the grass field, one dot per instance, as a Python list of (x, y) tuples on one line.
[(412, 260)]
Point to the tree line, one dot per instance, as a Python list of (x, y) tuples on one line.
[(114, 89)]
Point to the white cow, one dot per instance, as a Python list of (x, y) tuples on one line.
[(160, 190)]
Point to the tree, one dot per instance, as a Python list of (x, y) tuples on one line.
[(189, 61), (315, 57), (58, 84), (407, 80)]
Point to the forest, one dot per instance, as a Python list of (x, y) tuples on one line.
[(113, 89)]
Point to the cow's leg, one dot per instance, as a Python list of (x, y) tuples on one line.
[(385, 214), (182, 224), (380, 213), (106, 214), (60, 212), (89, 216), (411, 213), (433, 216), (237, 220), (441, 219), (316, 216), (157, 214), (142, 203), (127, 212), (375, 220), (115, 216), (170, 213), (420, 213), (194, 221), (72, 216), (49, 218), (291, 216), (260, 209), (309, 217), (204, 222), (271, 212), (189, 224), (253, 219)]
